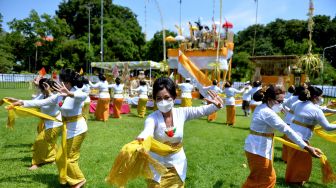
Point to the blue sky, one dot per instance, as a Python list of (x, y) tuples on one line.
[(240, 12)]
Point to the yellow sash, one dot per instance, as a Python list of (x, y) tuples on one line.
[(61, 156), (327, 136), (133, 161), (328, 175)]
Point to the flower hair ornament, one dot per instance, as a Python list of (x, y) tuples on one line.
[(170, 131), (307, 93)]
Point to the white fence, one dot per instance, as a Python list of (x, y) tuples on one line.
[(9, 81)]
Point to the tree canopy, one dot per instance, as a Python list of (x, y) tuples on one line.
[(62, 40)]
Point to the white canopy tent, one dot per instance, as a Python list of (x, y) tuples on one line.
[(133, 65)]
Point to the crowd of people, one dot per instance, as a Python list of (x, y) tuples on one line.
[(67, 101)]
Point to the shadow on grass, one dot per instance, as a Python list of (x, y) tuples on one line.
[(51, 180), (242, 128), (215, 122), (17, 145), (241, 115), (133, 115), (278, 148), (218, 184), (278, 159), (281, 181)]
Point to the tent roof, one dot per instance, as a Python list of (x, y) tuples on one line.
[(131, 64)]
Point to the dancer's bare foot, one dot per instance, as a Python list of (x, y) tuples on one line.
[(33, 167), (79, 185)]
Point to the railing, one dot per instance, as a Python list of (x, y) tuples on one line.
[(13, 81)]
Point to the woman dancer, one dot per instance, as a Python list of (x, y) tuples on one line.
[(166, 125), (44, 147), (230, 102), (117, 97), (143, 98), (75, 123), (102, 109), (307, 114), (259, 143)]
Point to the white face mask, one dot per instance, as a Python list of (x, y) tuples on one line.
[(320, 101), (277, 108), (165, 105)]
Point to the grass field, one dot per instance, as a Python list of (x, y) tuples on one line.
[(214, 151)]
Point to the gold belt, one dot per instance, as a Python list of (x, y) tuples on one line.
[(174, 145), (72, 118), (311, 127), (269, 135)]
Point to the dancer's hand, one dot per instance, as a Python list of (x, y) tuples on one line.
[(315, 152), (17, 103), (11, 99), (216, 100), (140, 140), (36, 80), (62, 90)]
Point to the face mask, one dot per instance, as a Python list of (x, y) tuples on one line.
[(320, 101), (277, 108), (165, 105)]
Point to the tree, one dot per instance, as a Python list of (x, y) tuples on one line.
[(154, 48), (242, 69), (6, 57), (123, 39)]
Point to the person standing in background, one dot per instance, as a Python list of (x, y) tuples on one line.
[(246, 98), (118, 97), (230, 103), (186, 89), (256, 85), (216, 89), (143, 98), (103, 105)]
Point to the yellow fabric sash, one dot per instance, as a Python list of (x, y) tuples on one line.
[(134, 161), (327, 136), (61, 155), (12, 110), (328, 175), (193, 69)]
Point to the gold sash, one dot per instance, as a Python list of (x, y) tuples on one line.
[(311, 127), (269, 135), (134, 161), (61, 155), (327, 173)]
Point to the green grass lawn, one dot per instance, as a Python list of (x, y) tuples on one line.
[(214, 151)]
